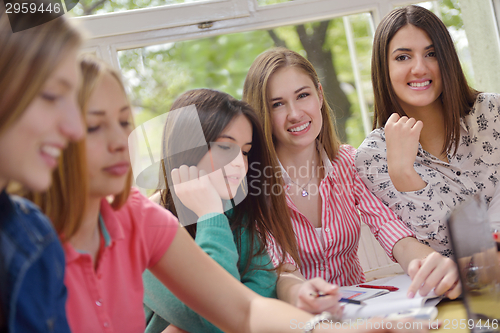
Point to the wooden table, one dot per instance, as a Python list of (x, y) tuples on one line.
[(451, 314)]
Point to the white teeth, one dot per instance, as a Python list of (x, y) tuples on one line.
[(300, 128), (51, 151), (421, 84)]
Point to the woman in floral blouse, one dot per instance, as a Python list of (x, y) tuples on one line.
[(436, 139)]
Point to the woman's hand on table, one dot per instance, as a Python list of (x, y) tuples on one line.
[(434, 272)]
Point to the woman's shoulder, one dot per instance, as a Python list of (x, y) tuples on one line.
[(346, 152), (145, 210), (30, 233), (31, 214), (486, 101), (374, 143), (485, 111)]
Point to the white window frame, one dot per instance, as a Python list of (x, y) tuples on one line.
[(114, 32)]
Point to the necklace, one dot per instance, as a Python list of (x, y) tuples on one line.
[(304, 192)]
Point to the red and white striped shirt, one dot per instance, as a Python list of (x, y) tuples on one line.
[(346, 203)]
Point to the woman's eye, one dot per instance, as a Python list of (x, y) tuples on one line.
[(302, 95), (224, 147), (125, 123), (275, 105), (402, 57), (431, 54), (245, 153), (92, 129), (49, 97)]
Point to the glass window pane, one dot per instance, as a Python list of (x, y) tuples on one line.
[(156, 75), (91, 7)]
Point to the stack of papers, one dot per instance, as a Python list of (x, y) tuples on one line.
[(390, 304)]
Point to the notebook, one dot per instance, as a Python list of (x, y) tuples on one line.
[(392, 303)]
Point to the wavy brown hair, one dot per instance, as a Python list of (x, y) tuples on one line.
[(457, 96), (260, 214)]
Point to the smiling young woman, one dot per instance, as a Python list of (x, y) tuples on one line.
[(39, 117), (328, 201), (435, 142)]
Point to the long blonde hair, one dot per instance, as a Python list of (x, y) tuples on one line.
[(27, 59), (255, 92), (65, 201)]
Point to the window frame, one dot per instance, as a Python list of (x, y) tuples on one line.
[(113, 32)]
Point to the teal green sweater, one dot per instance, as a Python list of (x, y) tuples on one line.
[(215, 237)]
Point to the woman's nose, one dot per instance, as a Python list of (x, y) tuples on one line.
[(238, 161), (420, 67), (294, 112)]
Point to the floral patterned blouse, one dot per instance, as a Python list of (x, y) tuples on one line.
[(474, 169)]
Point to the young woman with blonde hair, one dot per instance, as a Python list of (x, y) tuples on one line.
[(328, 202), (39, 115)]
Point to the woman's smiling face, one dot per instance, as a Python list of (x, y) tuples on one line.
[(414, 69), (295, 106)]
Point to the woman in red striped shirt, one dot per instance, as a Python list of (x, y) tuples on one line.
[(326, 198)]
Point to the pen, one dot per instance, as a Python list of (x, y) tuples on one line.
[(344, 300), (390, 288), (351, 301)]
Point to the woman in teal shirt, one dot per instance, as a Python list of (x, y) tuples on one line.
[(234, 160)]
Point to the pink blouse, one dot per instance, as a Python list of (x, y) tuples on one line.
[(109, 298)]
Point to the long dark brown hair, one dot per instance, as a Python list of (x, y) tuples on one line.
[(457, 96), (262, 212)]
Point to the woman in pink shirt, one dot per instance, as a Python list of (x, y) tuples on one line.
[(326, 197), (112, 234)]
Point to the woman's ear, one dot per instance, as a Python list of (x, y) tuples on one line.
[(320, 94)]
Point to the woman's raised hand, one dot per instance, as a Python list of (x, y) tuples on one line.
[(195, 191), (402, 136)]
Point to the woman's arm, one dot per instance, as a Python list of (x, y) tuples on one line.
[(427, 268), (213, 293), (215, 238), (402, 138), (424, 210)]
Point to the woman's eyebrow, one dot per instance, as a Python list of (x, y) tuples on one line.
[(96, 112), (404, 49)]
